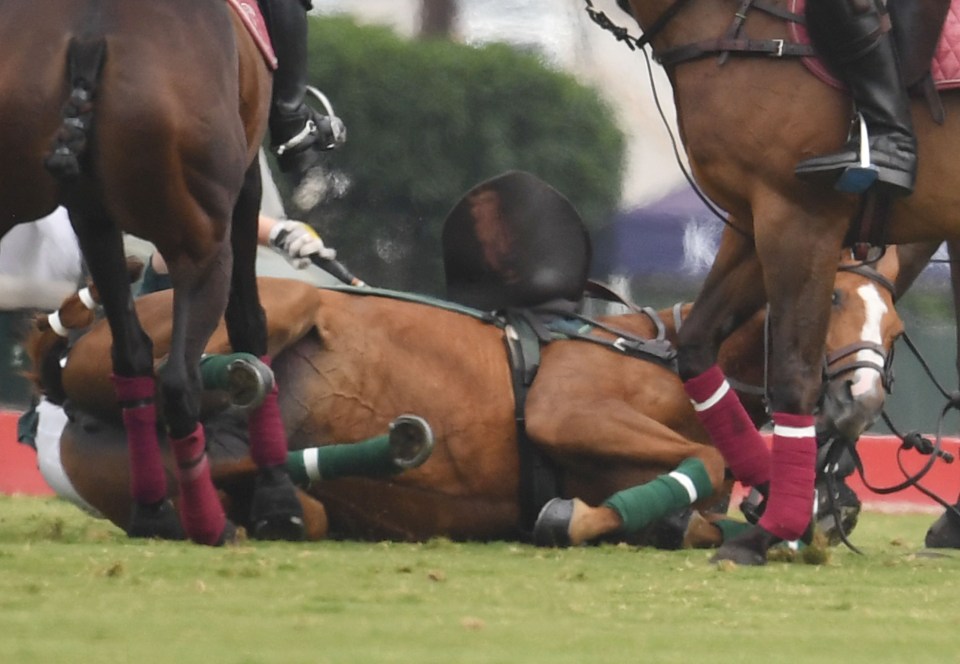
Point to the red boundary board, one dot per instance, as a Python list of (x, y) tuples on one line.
[(19, 474), (18, 462)]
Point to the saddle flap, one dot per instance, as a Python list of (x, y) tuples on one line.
[(514, 241)]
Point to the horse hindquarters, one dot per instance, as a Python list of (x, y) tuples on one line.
[(182, 131)]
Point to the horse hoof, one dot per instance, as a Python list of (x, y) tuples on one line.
[(755, 503), (229, 535), (411, 441), (748, 548), (244, 378), (159, 521), (552, 528), (837, 511), (276, 513), (945, 532), (248, 382), (669, 532)]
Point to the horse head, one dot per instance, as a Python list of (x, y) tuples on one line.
[(53, 334), (864, 326)]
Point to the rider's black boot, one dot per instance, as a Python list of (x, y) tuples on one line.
[(298, 133), (854, 38)]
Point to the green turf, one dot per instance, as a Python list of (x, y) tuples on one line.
[(73, 589)]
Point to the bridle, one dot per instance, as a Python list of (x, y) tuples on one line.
[(885, 368), (729, 42)]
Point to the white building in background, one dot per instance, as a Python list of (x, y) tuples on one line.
[(566, 37)]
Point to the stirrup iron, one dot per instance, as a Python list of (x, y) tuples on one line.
[(338, 130), (857, 179)]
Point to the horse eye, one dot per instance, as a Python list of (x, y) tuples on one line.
[(835, 299)]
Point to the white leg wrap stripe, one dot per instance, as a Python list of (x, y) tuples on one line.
[(87, 299), (686, 483), (311, 463), (795, 432), (714, 398), (53, 320)]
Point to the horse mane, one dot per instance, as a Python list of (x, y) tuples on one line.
[(45, 346)]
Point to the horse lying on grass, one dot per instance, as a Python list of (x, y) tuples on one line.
[(351, 360)]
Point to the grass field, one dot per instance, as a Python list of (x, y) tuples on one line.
[(74, 589)]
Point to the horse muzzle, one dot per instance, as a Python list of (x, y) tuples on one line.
[(852, 404)]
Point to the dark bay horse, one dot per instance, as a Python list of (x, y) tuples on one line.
[(746, 120), (351, 362), (145, 117)]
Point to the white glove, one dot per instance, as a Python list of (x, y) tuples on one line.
[(298, 242)]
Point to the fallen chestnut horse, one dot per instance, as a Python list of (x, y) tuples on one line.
[(351, 360)]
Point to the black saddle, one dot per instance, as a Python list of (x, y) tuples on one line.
[(514, 241)]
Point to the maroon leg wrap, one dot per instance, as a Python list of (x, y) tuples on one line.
[(268, 440), (723, 416), (793, 472), (201, 513), (148, 481)]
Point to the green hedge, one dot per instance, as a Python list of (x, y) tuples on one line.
[(426, 121)]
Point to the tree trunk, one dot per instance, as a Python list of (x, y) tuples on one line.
[(437, 18)]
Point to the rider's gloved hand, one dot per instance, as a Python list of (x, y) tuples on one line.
[(297, 242)]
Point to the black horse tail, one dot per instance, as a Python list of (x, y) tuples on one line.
[(85, 60)]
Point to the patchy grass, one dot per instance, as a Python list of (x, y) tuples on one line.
[(75, 589)]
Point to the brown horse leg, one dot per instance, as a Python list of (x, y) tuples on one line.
[(102, 246), (611, 432), (731, 294), (945, 531), (799, 293), (276, 512), (199, 294)]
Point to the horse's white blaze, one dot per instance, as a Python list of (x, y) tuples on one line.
[(866, 379)]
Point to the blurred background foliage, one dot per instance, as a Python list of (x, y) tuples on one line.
[(427, 120)]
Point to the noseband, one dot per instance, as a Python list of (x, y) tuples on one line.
[(886, 368)]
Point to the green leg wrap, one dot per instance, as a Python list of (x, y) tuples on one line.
[(731, 528), (640, 505), (369, 458)]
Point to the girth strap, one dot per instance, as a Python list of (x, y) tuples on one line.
[(539, 475)]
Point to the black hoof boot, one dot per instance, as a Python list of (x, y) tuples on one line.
[(748, 548), (276, 513), (945, 532), (159, 520), (230, 535), (552, 528), (411, 441)]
